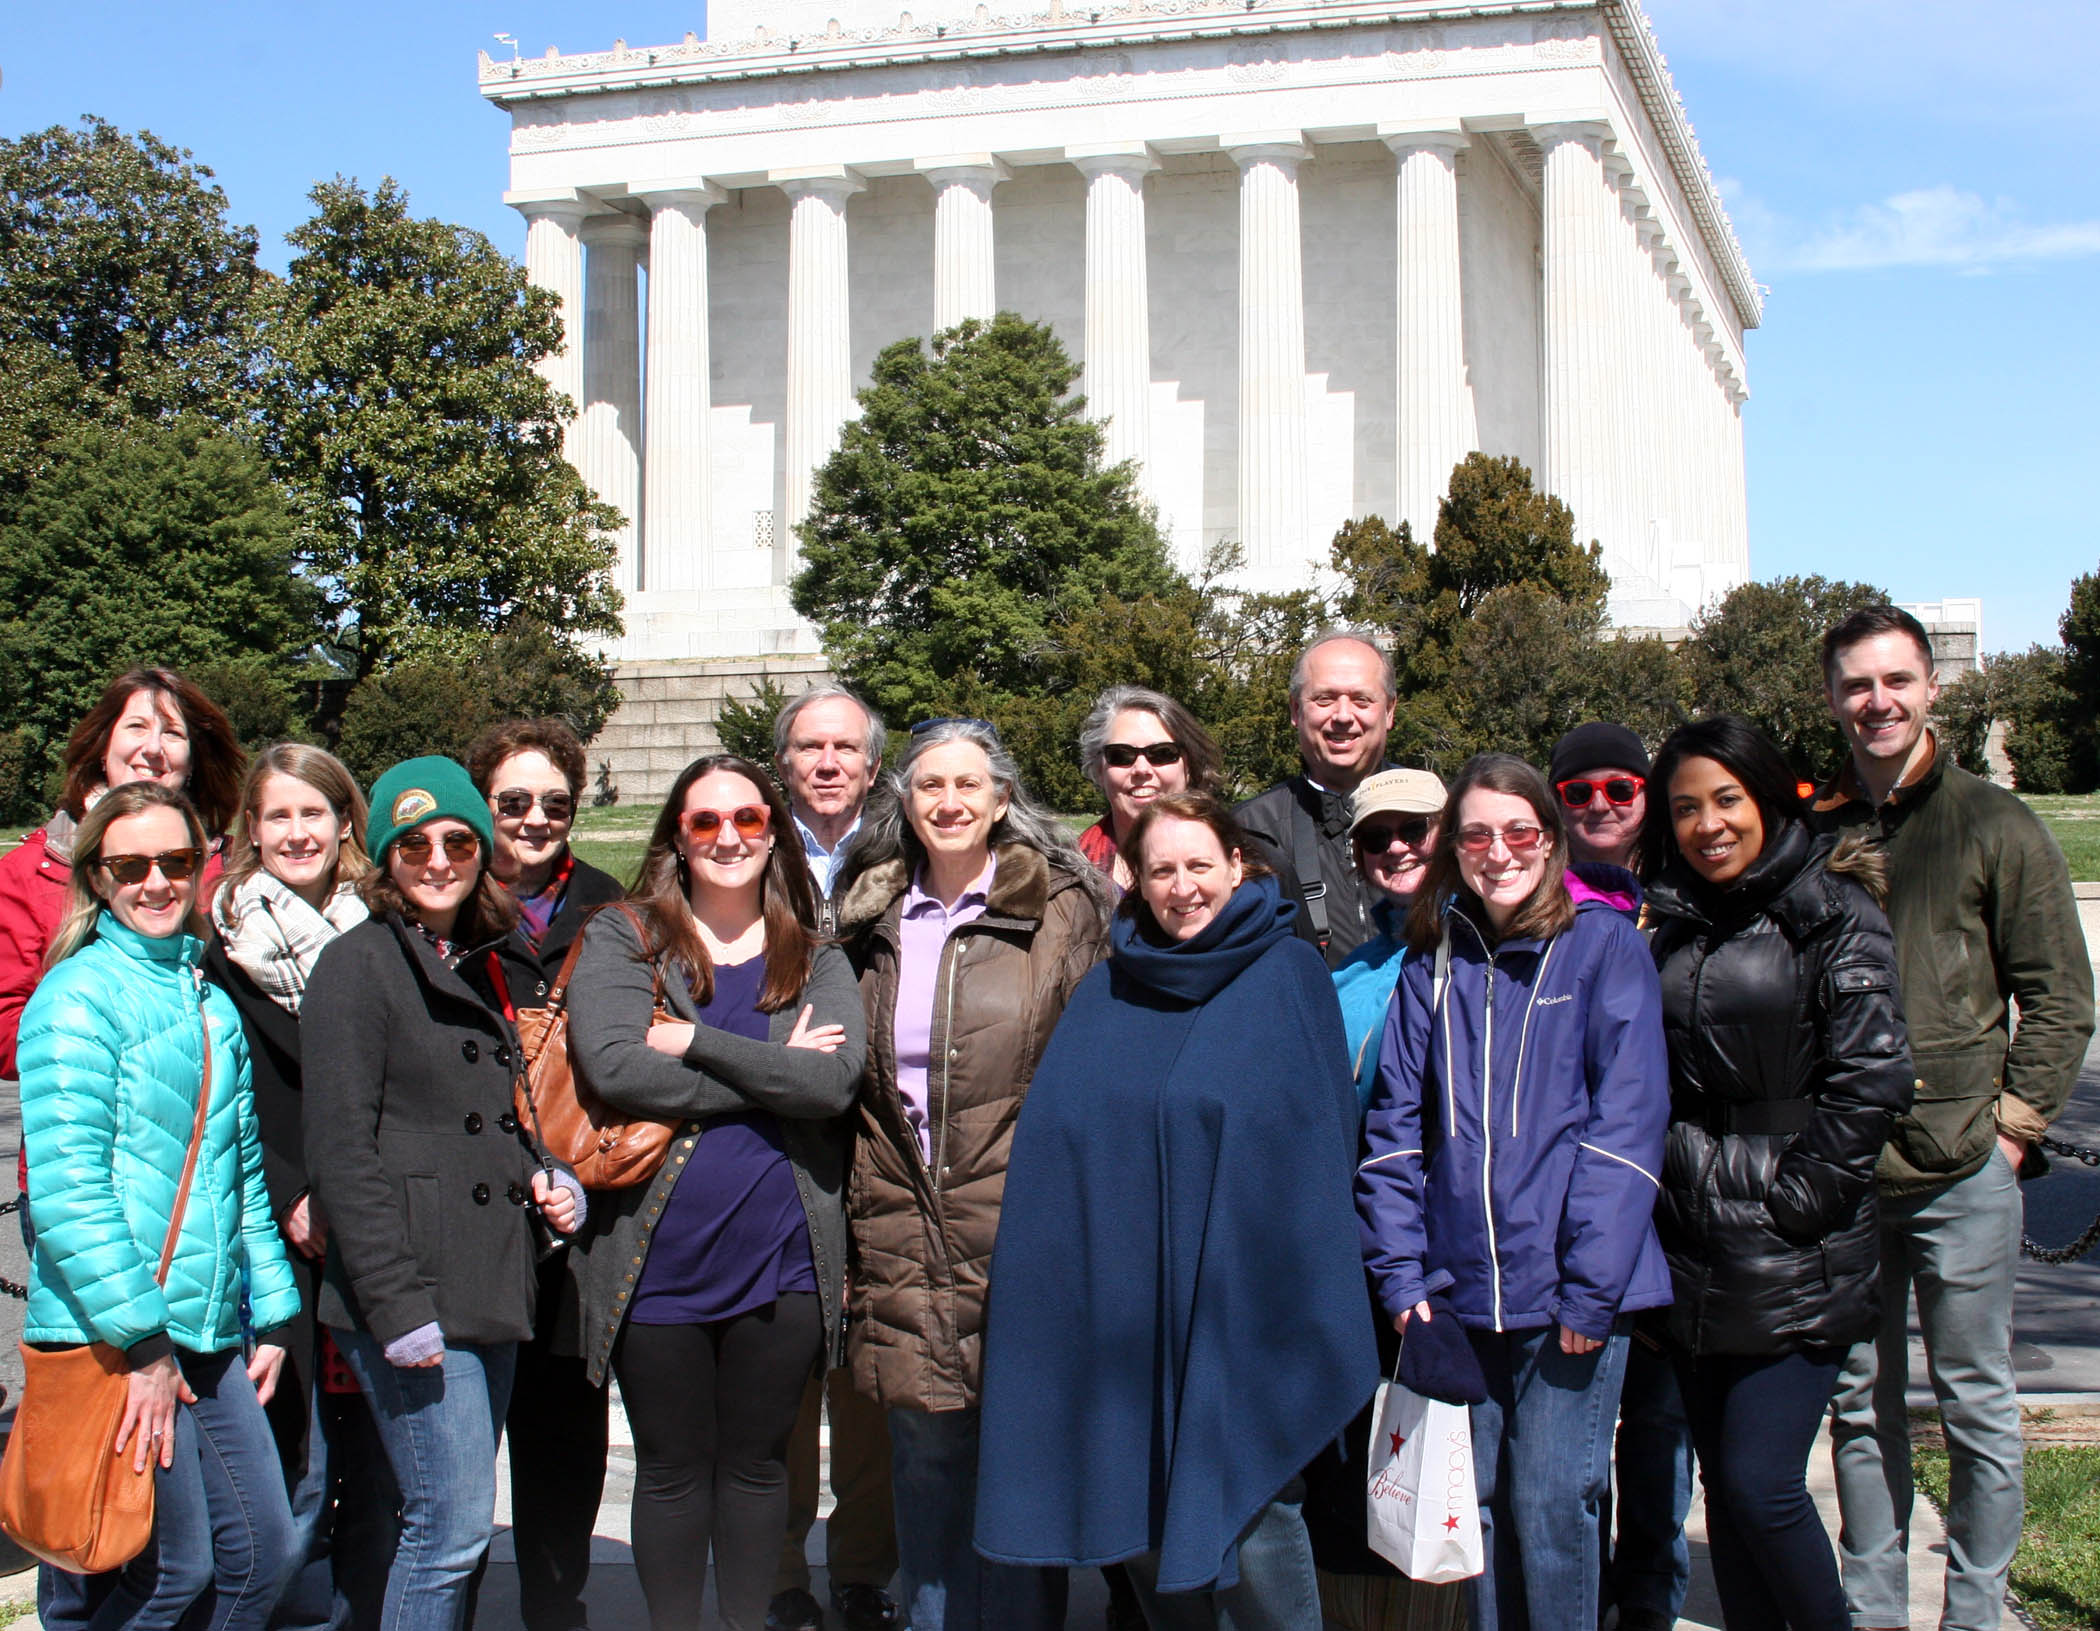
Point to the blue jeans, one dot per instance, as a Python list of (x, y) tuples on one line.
[(1651, 1563), (344, 1511), (439, 1425), (1542, 1464), (1959, 1247), (945, 1584), (222, 1530), (1277, 1589)]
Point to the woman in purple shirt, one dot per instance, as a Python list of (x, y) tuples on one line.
[(713, 1291)]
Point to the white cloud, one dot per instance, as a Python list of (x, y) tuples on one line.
[(1930, 226)]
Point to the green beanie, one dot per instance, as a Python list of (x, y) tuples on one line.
[(431, 788)]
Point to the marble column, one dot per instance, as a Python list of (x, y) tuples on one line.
[(1272, 430), (1581, 219), (677, 483), (962, 236), (820, 345), (1118, 360), (612, 377), (554, 262), (1433, 420)]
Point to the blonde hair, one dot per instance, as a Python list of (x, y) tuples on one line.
[(326, 775), (84, 906)]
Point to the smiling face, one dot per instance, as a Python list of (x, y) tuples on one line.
[(1601, 830), (726, 856), (157, 906), (953, 803), (1717, 824), (1392, 853), (1880, 691), (149, 743), (1131, 787), (1343, 714), (1505, 870), (826, 766), (1185, 875), (436, 885), (533, 839), (297, 834)]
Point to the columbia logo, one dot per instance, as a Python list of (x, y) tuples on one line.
[(1548, 1002)]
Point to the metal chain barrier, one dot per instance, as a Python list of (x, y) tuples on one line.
[(10, 1288), (2086, 1241)]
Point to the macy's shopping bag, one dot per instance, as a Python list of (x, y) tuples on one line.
[(1420, 1510)]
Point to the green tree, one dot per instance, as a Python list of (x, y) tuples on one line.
[(422, 450), (965, 517), (2080, 628), (1757, 653), (2047, 728), (146, 543), (745, 726)]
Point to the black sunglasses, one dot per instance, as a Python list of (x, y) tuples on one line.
[(175, 865), (1413, 831), (1576, 794), (515, 803), (1122, 755)]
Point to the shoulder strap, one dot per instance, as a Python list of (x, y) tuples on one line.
[(1305, 860), (189, 1161)]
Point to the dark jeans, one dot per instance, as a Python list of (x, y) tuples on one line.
[(557, 1435), (1277, 1589), (712, 1407), (1754, 1419), (1650, 1565), (346, 1511)]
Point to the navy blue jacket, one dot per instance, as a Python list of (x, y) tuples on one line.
[(1514, 1142)]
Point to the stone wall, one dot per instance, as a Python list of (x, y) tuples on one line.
[(667, 713)]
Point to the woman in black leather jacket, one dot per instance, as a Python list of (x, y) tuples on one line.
[(1788, 1060)]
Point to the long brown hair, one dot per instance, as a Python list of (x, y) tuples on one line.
[(326, 775), (1549, 908), (84, 905), (214, 785), (489, 913), (787, 898)]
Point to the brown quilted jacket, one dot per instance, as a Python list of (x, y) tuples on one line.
[(922, 1235)]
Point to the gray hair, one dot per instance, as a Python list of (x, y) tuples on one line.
[(886, 832), (784, 722), (1205, 763), (1361, 635)]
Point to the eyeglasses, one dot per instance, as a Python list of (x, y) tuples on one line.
[(749, 820), (1123, 755), (515, 803), (175, 865), (1577, 793), (1414, 832), (925, 725), (415, 847), (1521, 838)]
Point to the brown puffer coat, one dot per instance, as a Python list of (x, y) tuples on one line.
[(922, 1236)]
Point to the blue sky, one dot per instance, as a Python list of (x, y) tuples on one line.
[(1913, 179)]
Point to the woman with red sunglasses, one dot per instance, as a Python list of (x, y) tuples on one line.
[(714, 1291), (1512, 1151)]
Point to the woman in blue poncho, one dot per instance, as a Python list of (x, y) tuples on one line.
[(1177, 1320)]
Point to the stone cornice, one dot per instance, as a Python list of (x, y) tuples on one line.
[(1060, 29)]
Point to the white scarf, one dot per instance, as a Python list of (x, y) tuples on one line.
[(274, 936)]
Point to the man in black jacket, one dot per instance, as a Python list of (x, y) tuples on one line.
[(1342, 706)]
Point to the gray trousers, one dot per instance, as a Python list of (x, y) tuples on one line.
[(1959, 1247)]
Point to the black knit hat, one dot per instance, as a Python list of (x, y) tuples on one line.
[(1597, 746)]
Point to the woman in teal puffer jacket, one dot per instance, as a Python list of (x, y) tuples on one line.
[(113, 1054)]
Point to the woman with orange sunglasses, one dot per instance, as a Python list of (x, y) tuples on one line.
[(714, 1290)]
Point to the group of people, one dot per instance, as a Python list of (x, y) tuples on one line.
[(1088, 1186)]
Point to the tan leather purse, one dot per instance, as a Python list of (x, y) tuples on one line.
[(67, 1495), (604, 1147)]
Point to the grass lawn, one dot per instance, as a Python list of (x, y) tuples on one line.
[(2075, 819), (2056, 1574)]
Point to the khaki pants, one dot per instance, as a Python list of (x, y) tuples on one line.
[(860, 1539)]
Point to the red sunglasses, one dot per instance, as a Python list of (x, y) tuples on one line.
[(1577, 792)]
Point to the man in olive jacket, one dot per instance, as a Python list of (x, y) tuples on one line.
[(1981, 904)]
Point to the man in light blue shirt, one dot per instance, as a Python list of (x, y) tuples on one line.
[(827, 744)]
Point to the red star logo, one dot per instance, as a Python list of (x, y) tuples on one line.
[(1451, 1523), (1397, 1442)]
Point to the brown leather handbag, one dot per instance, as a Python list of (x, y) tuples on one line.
[(604, 1147), (67, 1495)]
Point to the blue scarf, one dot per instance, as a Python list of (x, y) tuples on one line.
[(1177, 1320)]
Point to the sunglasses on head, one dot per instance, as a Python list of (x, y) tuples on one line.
[(515, 803), (749, 820), (175, 865), (1122, 755), (1521, 838), (1577, 793), (415, 847), (1413, 831)]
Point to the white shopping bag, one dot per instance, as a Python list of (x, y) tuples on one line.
[(1420, 1510)]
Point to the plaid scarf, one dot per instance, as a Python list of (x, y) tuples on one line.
[(274, 936)]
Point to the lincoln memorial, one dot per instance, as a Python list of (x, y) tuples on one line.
[(1308, 252)]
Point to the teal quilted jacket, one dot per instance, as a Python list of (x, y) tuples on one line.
[(111, 1057)]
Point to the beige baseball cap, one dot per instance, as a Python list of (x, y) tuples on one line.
[(1396, 792)]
